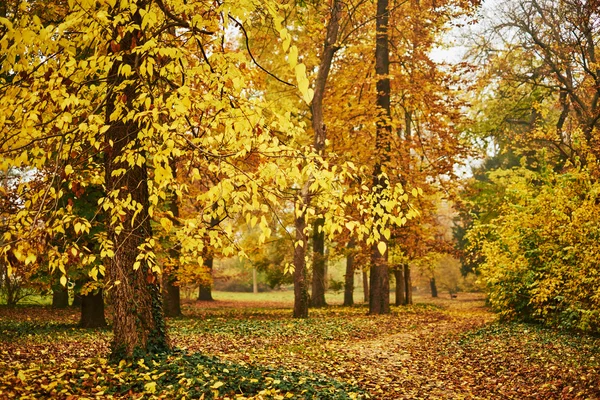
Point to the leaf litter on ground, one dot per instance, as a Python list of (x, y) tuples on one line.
[(441, 349)]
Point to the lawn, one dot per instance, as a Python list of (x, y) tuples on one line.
[(247, 346)]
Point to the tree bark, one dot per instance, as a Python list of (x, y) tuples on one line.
[(318, 278), (433, 286), (407, 284), (400, 286), (205, 290), (60, 297), (365, 279), (349, 276), (300, 284), (76, 300), (171, 297), (171, 290), (92, 310), (318, 125), (379, 296), (138, 319)]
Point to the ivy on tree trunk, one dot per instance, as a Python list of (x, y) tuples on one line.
[(138, 318)]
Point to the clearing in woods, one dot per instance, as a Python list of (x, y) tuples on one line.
[(436, 349)]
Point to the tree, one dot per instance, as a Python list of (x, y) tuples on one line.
[(379, 301), (543, 73), (123, 90)]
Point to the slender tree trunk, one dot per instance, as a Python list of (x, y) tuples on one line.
[(300, 284), (205, 289), (60, 297), (379, 299), (365, 279), (407, 284), (138, 319), (400, 286), (434, 291), (317, 298), (92, 310), (318, 125), (254, 281), (171, 290), (349, 276)]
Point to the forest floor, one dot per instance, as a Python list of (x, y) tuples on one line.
[(435, 349)]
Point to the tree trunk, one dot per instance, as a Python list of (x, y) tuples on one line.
[(138, 320), (434, 292), (365, 279), (76, 300), (205, 290), (171, 290), (60, 297), (254, 281), (400, 286), (317, 298), (92, 310), (171, 297), (407, 285), (300, 284), (318, 125), (349, 277), (379, 299)]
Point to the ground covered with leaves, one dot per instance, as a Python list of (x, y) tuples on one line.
[(444, 349)]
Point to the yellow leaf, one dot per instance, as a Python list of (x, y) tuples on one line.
[(217, 385), (150, 387), (382, 247), (293, 56), (21, 376), (166, 224), (68, 169), (63, 280)]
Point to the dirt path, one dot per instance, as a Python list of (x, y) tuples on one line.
[(450, 350)]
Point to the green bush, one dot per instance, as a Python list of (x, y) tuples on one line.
[(541, 261)]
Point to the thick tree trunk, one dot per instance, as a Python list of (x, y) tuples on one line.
[(433, 286), (300, 284), (379, 296), (365, 279), (76, 300), (400, 286), (407, 284), (92, 310), (349, 276), (138, 319), (379, 299), (60, 297), (205, 290), (318, 124)]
